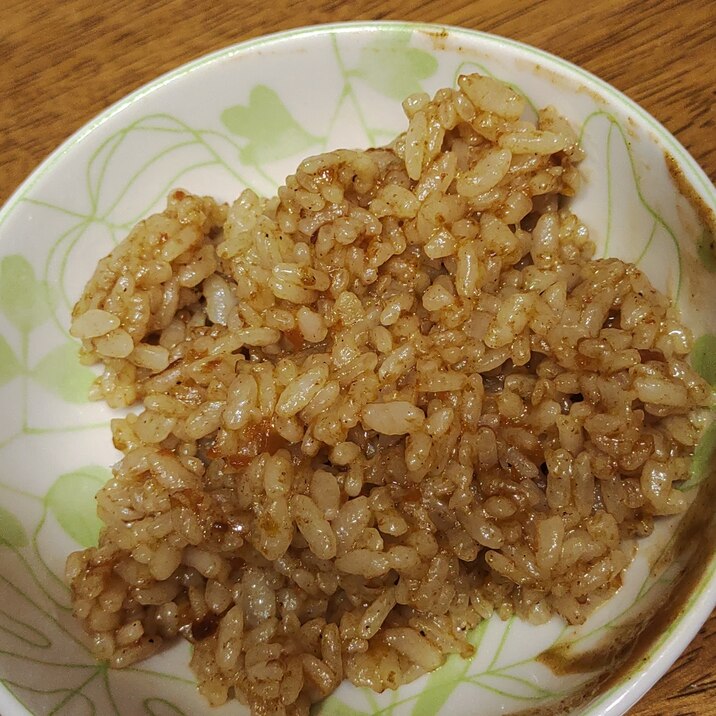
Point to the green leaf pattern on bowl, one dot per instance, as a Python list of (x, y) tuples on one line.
[(12, 533), (394, 68), (71, 500), (271, 130)]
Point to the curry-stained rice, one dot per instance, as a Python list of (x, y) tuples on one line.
[(397, 397)]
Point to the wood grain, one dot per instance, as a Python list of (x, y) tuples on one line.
[(63, 62)]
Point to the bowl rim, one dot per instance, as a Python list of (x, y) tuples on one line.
[(636, 680)]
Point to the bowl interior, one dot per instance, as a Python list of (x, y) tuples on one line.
[(244, 118)]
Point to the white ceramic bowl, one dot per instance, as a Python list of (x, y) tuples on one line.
[(244, 117)]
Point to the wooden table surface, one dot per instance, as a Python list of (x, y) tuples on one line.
[(63, 61)]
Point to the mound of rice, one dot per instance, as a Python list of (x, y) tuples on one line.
[(397, 397)]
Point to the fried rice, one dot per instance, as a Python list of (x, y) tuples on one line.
[(373, 410)]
